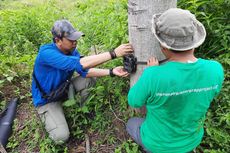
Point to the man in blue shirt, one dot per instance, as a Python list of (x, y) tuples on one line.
[(56, 63)]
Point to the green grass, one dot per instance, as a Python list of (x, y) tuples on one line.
[(26, 24)]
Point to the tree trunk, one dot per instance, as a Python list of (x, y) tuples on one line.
[(145, 45)]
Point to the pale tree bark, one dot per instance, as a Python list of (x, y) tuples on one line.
[(2, 149), (145, 45)]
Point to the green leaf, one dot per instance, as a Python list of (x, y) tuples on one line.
[(69, 103), (1, 82), (9, 78), (85, 109)]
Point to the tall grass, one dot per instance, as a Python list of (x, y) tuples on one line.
[(26, 24)]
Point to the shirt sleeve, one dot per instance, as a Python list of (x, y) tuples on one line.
[(140, 92), (76, 53), (63, 62)]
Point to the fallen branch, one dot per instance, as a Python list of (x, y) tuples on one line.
[(2, 149), (87, 145), (111, 108)]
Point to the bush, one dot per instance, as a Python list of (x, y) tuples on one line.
[(24, 30), (26, 25), (216, 19)]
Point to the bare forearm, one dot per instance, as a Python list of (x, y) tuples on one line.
[(94, 72), (94, 60)]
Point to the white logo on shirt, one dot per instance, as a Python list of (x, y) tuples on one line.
[(187, 91)]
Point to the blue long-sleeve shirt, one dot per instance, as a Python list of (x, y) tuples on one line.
[(52, 67)]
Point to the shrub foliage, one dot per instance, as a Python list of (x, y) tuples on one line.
[(26, 24)]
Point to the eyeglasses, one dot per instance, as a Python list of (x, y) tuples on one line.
[(72, 41)]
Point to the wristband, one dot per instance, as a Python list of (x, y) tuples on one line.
[(111, 72), (112, 54)]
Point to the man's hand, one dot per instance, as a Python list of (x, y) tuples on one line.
[(152, 61), (119, 71), (123, 50)]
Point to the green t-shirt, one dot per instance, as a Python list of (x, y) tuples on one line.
[(177, 97)]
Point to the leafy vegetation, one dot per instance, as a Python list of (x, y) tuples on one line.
[(26, 24), (216, 21)]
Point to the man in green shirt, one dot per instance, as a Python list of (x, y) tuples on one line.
[(178, 93)]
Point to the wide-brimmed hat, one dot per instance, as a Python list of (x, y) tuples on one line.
[(63, 28), (178, 29)]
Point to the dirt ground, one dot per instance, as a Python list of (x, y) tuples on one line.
[(26, 112)]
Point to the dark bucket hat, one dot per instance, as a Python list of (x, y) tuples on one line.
[(63, 28), (178, 29)]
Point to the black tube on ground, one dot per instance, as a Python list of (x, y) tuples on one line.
[(6, 121)]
